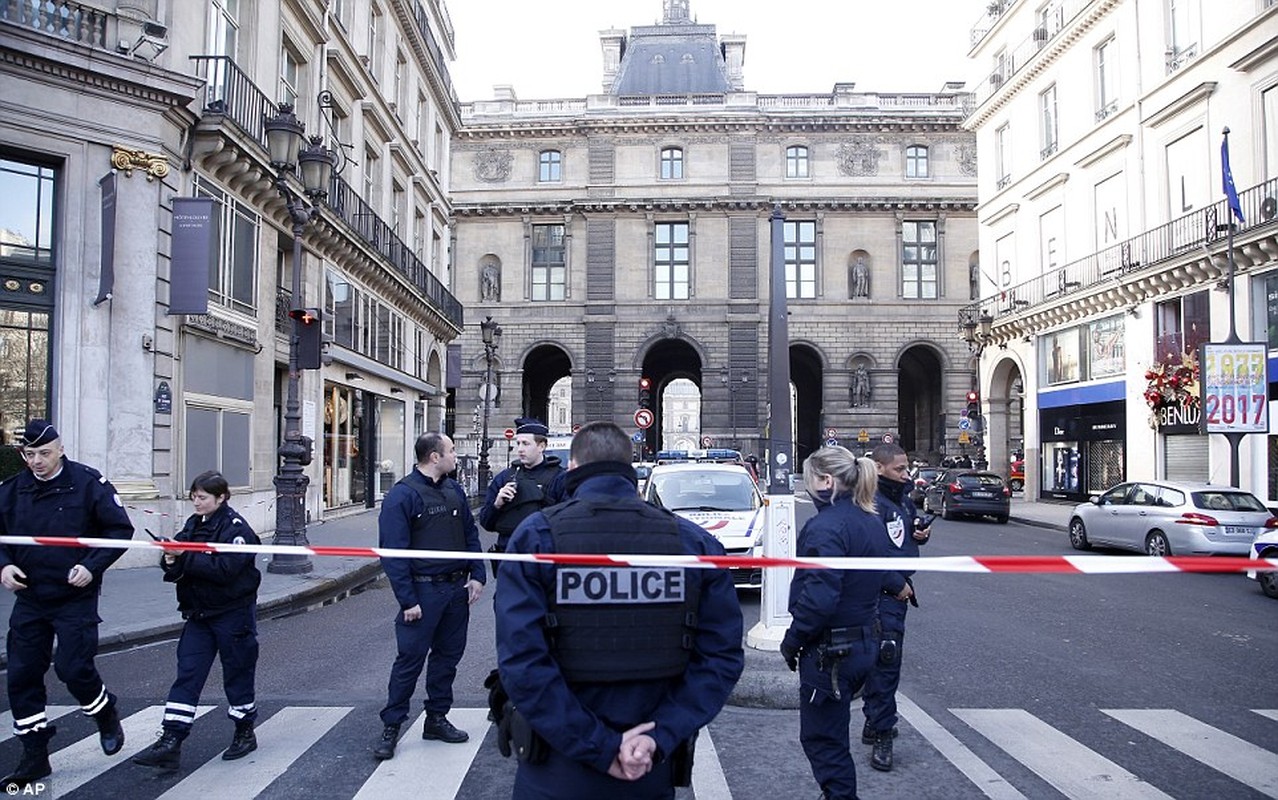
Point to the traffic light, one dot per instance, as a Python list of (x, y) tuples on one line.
[(973, 404), (310, 337), (645, 392)]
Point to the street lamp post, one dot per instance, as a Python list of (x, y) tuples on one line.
[(490, 332), (314, 165), (977, 333)]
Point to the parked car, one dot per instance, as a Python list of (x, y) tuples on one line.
[(963, 492), (723, 499), (1016, 478), (922, 476), (1162, 518), (1265, 546)]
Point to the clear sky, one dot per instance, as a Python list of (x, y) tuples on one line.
[(550, 48)]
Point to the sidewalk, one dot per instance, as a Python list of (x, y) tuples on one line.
[(1045, 514)]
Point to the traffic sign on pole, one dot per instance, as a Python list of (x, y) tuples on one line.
[(510, 433), (888, 438), (637, 437), (863, 436), (644, 418), (706, 441), (831, 442)]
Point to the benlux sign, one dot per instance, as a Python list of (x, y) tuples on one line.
[(1178, 416)]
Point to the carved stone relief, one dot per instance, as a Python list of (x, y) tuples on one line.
[(493, 165), (858, 159), (965, 154)]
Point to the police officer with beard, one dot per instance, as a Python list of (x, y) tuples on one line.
[(833, 640), (527, 486), (906, 531), (611, 671), (56, 593), (427, 510)]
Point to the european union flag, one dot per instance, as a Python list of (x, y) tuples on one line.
[(1227, 178)]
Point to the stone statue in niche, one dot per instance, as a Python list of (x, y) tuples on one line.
[(861, 386), (490, 282), (974, 279), (860, 278)]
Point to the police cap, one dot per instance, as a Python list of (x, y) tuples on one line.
[(38, 432), (534, 427)]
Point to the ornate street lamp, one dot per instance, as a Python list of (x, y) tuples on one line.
[(490, 332), (285, 138)]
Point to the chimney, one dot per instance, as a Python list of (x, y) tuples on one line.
[(613, 42), (733, 47)]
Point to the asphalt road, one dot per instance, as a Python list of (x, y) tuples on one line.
[(1014, 686)]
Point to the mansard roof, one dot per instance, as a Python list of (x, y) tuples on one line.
[(672, 59)]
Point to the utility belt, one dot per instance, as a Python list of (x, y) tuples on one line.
[(456, 576), (516, 735), (836, 644)]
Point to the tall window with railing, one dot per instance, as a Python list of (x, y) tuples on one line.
[(1003, 155), (1106, 78), (290, 75), (233, 276), (1182, 41), (223, 40), (1047, 122)]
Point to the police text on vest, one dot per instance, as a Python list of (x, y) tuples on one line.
[(591, 585)]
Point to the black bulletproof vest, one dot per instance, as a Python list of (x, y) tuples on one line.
[(528, 498), (609, 624), (439, 527)]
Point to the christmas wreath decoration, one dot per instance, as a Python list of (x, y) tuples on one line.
[(1172, 381)]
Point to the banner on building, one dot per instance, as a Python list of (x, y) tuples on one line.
[(194, 254), (453, 369), (106, 277)]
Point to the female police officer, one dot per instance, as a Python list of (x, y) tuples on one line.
[(217, 595), (831, 640)]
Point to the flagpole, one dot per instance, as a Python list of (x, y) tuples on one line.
[(1229, 245)]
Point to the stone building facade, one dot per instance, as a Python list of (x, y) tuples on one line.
[(626, 235)]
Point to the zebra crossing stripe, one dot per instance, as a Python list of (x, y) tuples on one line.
[(51, 713), (1223, 752), (708, 780), (982, 775), (1074, 769), (83, 761), (425, 769), (282, 739), (1271, 713)]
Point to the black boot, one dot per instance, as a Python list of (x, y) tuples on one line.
[(245, 742), (438, 727), (881, 756), (385, 749), (867, 733), (110, 731), (164, 754), (35, 761)]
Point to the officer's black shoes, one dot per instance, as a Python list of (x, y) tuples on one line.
[(34, 764), (245, 742), (438, 727), (110, 731), (385, 749), (867, 733), (164, 754), (881, 756)]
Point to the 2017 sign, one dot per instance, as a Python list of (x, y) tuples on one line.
[(1235, 384)]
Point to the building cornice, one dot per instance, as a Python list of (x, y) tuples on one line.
[(1112, 146), (1189, 99), (757, 205)]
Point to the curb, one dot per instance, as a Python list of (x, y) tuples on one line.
[(1039, 523)]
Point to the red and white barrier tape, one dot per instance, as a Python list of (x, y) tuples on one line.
[(1089, 564)]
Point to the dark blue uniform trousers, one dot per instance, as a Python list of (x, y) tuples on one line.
[(881, 686), (32, 629), (232, 635), (441, 634), (824, 719)]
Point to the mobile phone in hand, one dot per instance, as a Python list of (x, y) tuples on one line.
[(156, 538), (924, 522)]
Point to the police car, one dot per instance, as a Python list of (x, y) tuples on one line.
[(720, 497), (1265, 546)]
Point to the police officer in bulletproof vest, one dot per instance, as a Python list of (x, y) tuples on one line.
[(611, 671), (906, 531), (56, 592), (427, 510), (833, 639), (527, 486)]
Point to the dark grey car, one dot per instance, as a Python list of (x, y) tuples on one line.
[(961, 492)]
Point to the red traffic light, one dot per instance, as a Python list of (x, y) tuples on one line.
[(307, 316), (645, 383), (972, 397)]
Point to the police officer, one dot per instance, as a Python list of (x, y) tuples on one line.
[(832, 640), (527, 486), (611, 671), (217, 595), (427, 510), (905, 532), (56, 593)]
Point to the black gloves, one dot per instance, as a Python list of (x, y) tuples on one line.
[(790, 652)]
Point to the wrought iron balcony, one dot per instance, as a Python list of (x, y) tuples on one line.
[(230, 92), (1181, 237)]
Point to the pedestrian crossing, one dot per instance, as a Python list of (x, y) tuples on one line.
[(979, 742)]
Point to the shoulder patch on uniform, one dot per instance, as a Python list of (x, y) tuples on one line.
[(101, 479), (117, 500), (236, 520), (238, 540)]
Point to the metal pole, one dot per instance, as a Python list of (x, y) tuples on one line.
[(484, 474), (1235, 439), (294, 452)]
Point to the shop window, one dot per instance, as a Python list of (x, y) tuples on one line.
[(390, 443), (1181, 325), (1059, 356), (344, 465), (1060, 467)]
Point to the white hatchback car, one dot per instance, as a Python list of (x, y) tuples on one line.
[(1162, 518), (723, 499), (1265, 546)]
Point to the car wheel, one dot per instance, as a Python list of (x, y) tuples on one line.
[(1156, 544), (1001, 519), (1016, 484), (1078, 535), (946, 513)]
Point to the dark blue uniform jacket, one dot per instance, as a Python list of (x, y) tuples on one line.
[(829, 598), (209, 584), (895, 507), (77, 502), (584, 722), (401, 506), (548, 475)]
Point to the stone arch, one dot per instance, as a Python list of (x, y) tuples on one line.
[(1004, 408), (920, 370), (807, 374)]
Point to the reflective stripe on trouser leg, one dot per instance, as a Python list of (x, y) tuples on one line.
[(100, 702), (238, 713), (30, 724), (178, 715)]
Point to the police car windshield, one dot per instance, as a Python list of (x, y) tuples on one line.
[(705, 491)]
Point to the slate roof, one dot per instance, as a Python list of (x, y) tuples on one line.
[(672, 59)]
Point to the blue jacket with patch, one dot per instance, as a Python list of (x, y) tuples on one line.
[(209, 584)]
